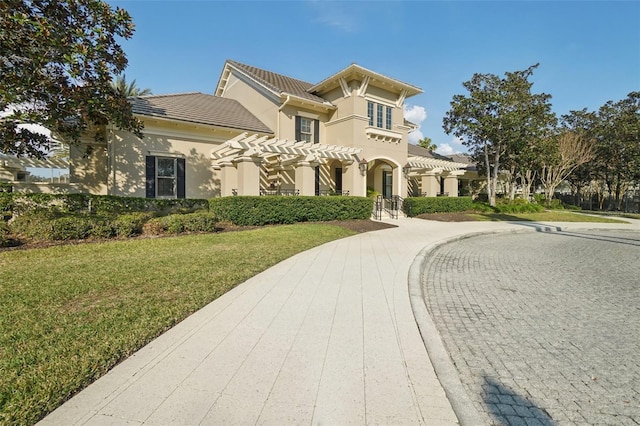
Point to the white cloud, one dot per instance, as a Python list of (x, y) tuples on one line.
[(415, 114), (453, 147), (415, 136), (445, 149), (333, 15)]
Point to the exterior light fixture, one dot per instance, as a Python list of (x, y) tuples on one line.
[(363, 166), (405, 170)]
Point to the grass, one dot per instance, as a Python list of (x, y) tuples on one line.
[(546, 216), (617, 214), (70, 313)]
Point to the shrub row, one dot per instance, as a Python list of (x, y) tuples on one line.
[(414, 206), (257, 211), (41, 225), (19, 203), (178, 223)]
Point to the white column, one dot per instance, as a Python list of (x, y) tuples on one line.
[(228, 178), (306, 177), (248, 175), (451, 182), (431, 183)]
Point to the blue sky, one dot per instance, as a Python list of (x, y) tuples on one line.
[(589, 51)]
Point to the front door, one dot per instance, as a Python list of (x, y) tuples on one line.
[(387, 184)]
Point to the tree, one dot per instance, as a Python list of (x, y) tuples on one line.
[(121, 86), (564, 153), (497, 118), (427, 144), (617, 130), (57, 59)]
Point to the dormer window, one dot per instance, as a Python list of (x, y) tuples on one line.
[(379, 114)]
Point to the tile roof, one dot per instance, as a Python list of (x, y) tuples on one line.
[(199, 108), (279, 83), (421, 152)]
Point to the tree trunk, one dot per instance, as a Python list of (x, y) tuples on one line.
[(496, 166), (491, 191)]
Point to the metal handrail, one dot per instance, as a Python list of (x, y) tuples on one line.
[(279, 192), (377, 208), (329, 192)]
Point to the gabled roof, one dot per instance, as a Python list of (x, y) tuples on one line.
[(199, 108), (277, 83)]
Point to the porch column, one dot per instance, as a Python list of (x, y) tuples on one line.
[(306, 177), (451, 182), (353, 180), (228, 178), (248, 175), (431, 183)]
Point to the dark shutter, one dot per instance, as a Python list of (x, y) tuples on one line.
[(317, 180), (316, 131), (338, 178), (151, 177), (298, 124), (181, 173)]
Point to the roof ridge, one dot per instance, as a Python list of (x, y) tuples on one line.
[(231, 61), (164, 95)]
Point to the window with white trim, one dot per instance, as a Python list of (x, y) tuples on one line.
[(306, 129), (379, 114)]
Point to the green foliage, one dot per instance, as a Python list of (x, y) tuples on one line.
[(257, 211), (6, 187), (120, 85), (203, 221), (414, 206), (517, 206), (47, 226), (372, 193), (6, 204), (58, 59), (130, 224), (4, 234), (100, 204), (427, 144)]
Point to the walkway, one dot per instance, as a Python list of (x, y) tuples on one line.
[(325, 337)]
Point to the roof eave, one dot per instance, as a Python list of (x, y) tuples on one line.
[(355, 69), (214, 126)]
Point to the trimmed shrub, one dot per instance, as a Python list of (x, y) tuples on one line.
[(414, 206), (4, 234), (6, 204), (130, 224), (258, 211), (177, 223), (101, 204), (43, 226)]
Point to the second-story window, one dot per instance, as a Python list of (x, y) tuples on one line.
[(379, 115), (307, 129), (388, 119)]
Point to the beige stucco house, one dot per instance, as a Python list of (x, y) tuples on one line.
[(267, 133)]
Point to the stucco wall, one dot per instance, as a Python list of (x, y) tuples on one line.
[(194, 143)]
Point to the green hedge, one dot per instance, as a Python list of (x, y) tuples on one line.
[(414, 206), (100, 204), (257, 211), (4, 234), (46, 226), (178, 223)]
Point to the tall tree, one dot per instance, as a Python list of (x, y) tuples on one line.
[(121, 86), (564, 154), (57, 59), (496, 117), (427, 144), (618, 132)]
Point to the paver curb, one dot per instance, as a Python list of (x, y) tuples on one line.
[(445, 370)]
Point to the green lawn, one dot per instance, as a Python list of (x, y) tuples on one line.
[(72, 312), (546, 216)]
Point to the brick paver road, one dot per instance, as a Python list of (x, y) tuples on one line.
[(543, 328)]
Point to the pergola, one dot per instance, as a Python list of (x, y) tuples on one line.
[(290, 152)]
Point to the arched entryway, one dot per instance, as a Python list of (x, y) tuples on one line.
[(384, 177)]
